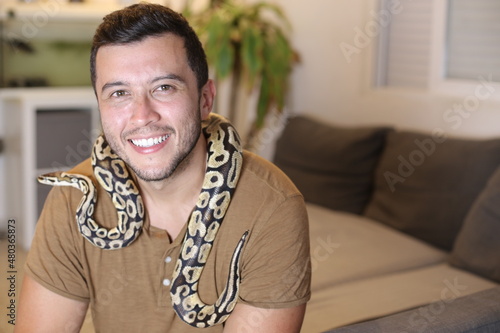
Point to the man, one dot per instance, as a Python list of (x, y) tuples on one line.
[(151, 81)]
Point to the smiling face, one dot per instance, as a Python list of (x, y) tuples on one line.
[(151, 109)]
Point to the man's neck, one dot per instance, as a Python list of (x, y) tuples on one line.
[(169, 202)]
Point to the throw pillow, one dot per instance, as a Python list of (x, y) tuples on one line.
[(477, 247), (332, 166), (426, 184)]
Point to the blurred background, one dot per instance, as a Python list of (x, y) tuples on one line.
[(430, 65)]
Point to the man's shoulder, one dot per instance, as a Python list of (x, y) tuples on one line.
[(83, 168), (262, 175)]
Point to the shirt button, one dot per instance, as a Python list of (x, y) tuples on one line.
[(166, 282), (168, 259)]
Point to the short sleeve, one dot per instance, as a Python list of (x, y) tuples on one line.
[(54, 259), (277, 271)]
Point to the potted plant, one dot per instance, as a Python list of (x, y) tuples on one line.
[(249, 44)]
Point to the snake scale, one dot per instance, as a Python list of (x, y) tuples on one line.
[(224, 163)]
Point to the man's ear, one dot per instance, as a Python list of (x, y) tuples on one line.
[(207, 98)]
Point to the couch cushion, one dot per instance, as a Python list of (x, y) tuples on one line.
[(477, 247), (384, 295), (331, 165), (346, 247), (425, 184), (475, 313)]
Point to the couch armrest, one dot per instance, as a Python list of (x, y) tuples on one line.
[(478, 313)]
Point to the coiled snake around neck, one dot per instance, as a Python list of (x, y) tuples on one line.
[(224, 163)]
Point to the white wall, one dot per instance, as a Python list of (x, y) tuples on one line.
[(328, 86)]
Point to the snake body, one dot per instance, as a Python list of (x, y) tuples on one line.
[(224, 163)]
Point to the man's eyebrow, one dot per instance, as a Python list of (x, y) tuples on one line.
[(174, 77), (113, 84)]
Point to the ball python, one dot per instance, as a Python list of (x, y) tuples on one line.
[(224, 161)]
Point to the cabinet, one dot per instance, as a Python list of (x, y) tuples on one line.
[(45, 129)]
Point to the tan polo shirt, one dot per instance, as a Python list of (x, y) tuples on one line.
[(128, 289)]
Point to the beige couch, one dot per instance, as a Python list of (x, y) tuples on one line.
[(399, 221)]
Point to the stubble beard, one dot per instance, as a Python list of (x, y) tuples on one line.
[(178, 162)]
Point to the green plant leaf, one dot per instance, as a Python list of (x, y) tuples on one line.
[(249, 41), (218, 46), (252, 54), (263, 102), (224, 60), (280, 59), (261, 6)]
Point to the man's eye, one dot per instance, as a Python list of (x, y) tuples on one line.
[(164, 87), (119, 93)]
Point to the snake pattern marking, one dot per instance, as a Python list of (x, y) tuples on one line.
[(224, 163)]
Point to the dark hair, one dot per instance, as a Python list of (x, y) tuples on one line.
[(139, 21)]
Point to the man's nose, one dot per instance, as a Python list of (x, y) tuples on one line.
[(145, 111)]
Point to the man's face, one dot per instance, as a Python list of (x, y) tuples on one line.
[(149, 102)]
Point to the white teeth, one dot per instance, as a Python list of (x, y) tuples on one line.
[(146, 143)]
